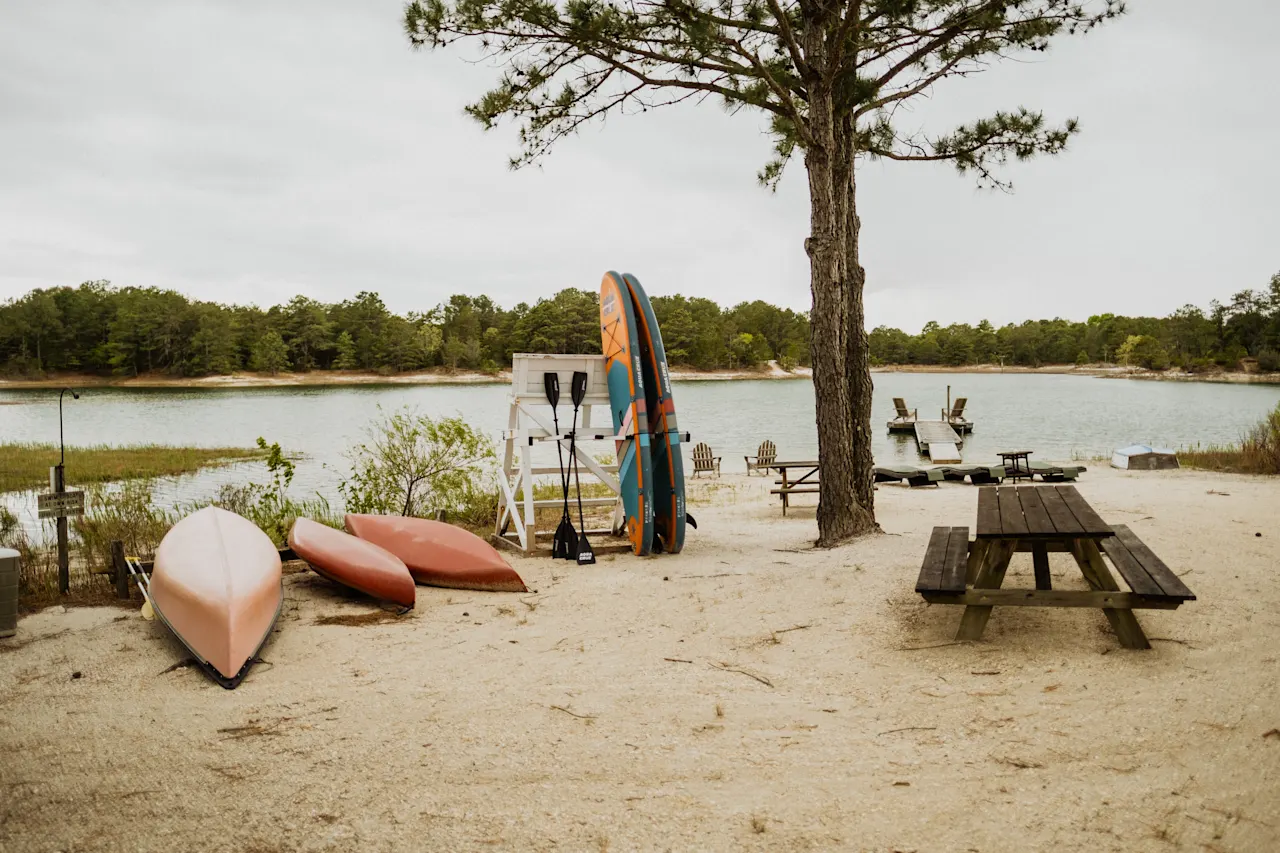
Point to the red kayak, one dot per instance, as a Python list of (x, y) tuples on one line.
[(438, 554), (352, 562)]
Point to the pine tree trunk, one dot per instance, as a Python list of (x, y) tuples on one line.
[(839, 516), (858, 348)]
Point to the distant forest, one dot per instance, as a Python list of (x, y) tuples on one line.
[(99, 329)]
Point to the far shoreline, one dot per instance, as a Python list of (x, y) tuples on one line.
[(503, 377)]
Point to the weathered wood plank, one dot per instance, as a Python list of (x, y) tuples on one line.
[(1038, 520), (934, 560), (976, 555), (989, 512), (1011, 518), (990, 576), (1040, 560), (1061, 515), (1095, 571), (1101, 600), (953, 572), (1130, 569), (1090, 521), (1160, 573)]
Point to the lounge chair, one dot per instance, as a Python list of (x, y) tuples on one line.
[(765, 456), (956, 416), (1050, 473), (913, 476), (903, 418), (704, 461)]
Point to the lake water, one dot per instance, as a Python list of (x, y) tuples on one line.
[(1057, 416)]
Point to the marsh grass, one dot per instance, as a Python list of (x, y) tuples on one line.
[(1257, 453), (25, 465)]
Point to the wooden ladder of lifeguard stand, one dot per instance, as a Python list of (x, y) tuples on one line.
[(530, 426)]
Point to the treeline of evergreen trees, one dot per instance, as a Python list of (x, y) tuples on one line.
[(96, 328), (1247, 326)]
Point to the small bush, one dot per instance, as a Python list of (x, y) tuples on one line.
[(1257, 453), (416, 465), (127, 514), (1269, 361), (269, 506)]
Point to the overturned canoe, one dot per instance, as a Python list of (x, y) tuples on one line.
[(438, 554), (216, 585), (353, 562)]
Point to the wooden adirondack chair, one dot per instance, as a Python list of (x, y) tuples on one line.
[(903, 414), (704, 461), (765, 456), (956, 416)]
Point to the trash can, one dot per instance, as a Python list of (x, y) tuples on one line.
[(8, 592)]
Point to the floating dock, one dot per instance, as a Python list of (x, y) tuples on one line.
[(938, 441)]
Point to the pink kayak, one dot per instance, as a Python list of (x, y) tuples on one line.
[(216, 585), (352, 562), (438, 554)]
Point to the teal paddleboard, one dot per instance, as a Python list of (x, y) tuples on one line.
[(664, 436)]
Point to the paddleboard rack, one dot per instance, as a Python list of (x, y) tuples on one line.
[(528, 451)]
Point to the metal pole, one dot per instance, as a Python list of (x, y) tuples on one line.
[(60, 487), (64, 560)]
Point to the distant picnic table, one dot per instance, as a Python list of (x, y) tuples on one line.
[(788, 485), (1041, 519)]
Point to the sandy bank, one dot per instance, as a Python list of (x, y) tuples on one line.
[(503, 377), (749, 694)]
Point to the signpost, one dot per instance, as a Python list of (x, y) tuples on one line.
[(60, 505)]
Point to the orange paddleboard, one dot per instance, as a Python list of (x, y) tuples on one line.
[(438, 554), (353, 562)]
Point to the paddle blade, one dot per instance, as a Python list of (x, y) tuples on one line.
[(565, 539), (585, 555), (551, 382), (579, 387)]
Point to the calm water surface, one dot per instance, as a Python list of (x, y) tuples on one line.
[(1058, 417)]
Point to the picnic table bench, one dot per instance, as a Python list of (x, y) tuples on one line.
[(805, 484), (1044, 519)]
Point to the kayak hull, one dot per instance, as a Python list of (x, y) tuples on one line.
[(438, 554), (216, 584), (353, 562)]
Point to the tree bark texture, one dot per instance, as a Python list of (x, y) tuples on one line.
[(839, 515), (857, 346)]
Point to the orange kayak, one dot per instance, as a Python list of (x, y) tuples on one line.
[(216, 585), (344, 559), (438, 554)]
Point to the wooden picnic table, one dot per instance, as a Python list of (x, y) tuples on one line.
[(805, 484), (1044, 519)]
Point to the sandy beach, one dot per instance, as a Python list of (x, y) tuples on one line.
[(749, 694), (327, 378)]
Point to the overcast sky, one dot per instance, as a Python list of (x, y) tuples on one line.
[(250, 151)]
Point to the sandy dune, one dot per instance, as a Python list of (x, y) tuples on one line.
[(750, 694)]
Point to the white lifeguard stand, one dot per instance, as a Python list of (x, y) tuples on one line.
[(530, 429)]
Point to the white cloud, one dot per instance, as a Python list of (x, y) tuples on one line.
[(246, 152)]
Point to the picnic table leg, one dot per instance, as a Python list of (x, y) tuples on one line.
[(784, 492), (1040, 559), (977, 553), (1095, 571), (990, 576)]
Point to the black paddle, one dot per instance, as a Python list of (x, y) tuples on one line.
[(566, 537), (578, 391)]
